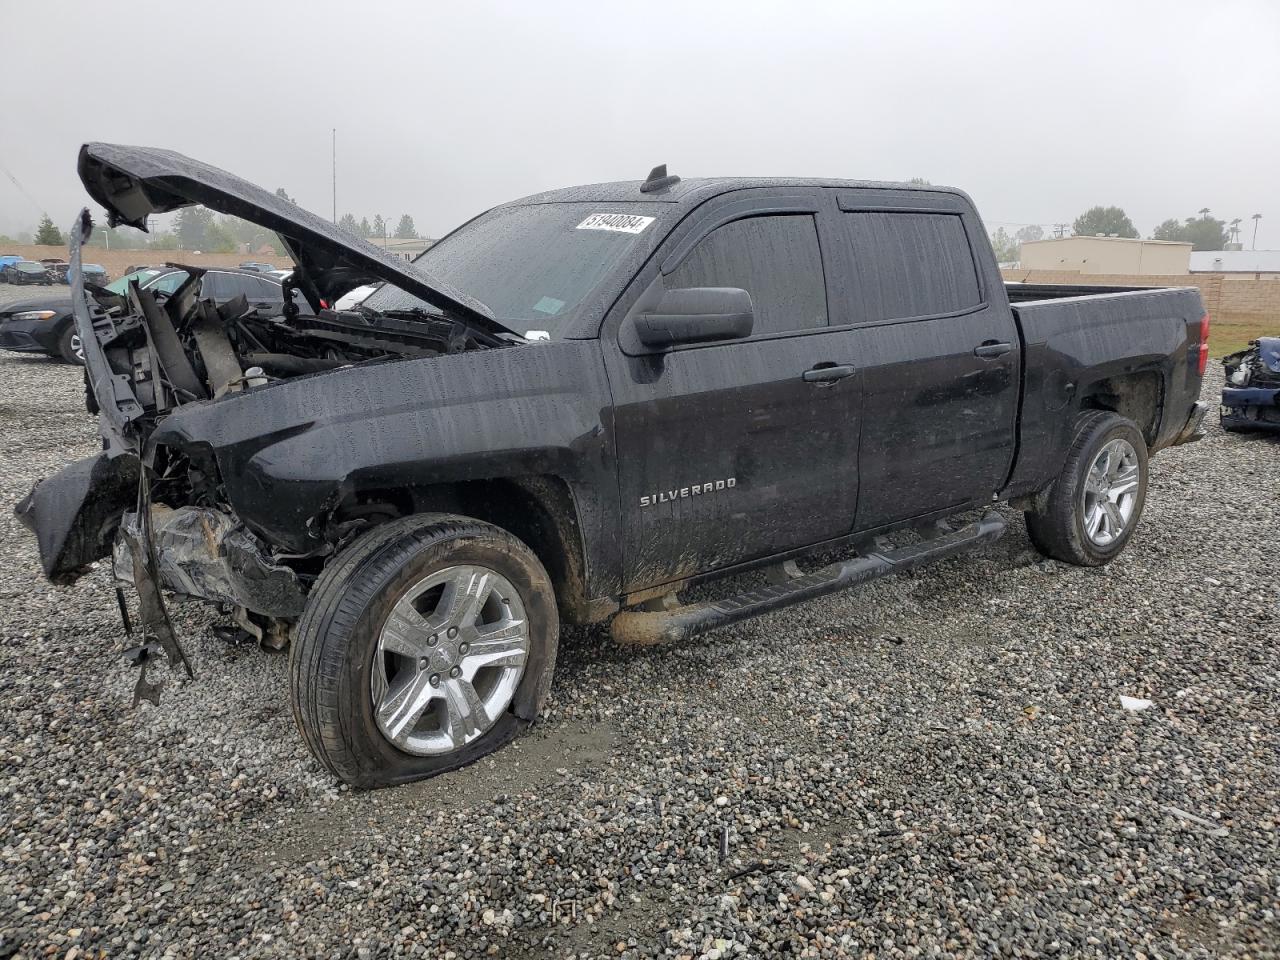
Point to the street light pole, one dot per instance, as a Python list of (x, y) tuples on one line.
[(1256, 218), (335, 174)]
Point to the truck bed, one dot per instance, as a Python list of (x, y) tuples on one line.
[(1114, 342), (1026, 292)]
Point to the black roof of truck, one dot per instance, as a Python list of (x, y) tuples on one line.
[(695, 190)]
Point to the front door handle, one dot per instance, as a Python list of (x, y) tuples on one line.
[(827, 372), (990, 349)]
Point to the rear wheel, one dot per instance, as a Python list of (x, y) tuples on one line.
[(427, 644), (70, 348), (1097, 500)]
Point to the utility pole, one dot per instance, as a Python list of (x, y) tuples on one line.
[(335, 175), (1256, 218)]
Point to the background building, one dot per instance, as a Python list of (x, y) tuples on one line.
[(1235, 261), (405, 249), (1095, 255)]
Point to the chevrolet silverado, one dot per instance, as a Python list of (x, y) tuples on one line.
[(573, 408)]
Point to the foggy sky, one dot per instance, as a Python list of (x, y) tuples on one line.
[(442, 110)]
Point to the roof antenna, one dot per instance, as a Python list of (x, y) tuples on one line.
[(658, 180)]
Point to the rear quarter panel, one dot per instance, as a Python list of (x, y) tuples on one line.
[(1071, 344)]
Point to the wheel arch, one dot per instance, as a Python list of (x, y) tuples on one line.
[(1138, 396), (540, 510)]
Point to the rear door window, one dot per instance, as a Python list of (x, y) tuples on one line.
[(169, 282), (259, 288), (214, 285), (910, 265), (774, 258)]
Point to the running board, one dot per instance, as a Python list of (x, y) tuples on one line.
[(646, 628)]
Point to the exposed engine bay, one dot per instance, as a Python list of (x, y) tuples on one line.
[(231, 429), (1251, 396), (1258, 365), (179, 348)]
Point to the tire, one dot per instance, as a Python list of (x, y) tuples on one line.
[(1061, 529), (69, 346), (338, 664)]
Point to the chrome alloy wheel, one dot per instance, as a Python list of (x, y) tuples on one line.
[(1110, 492), (77, 347), (448, 660)]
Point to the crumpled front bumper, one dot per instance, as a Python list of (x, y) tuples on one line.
[(208, 554), (74, 513), (87, 511), (1251, 408)]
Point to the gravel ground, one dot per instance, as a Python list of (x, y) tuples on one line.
[(934, 766)]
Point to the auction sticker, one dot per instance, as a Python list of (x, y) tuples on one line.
[(616, 222)]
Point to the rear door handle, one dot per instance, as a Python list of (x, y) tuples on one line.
[(825, 373), (990, 349)]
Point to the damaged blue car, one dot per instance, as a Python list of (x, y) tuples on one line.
[(1251, 397)]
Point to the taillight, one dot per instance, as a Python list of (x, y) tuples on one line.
[(1204, 345), (324, 305)]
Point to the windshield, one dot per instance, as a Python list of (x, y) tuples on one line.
[(119, 287), (31, 267), (534, 266)]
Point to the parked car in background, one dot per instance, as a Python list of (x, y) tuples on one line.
[(1251, 396), (8, 258), (256, 266), (46, 325), (24, 272), (349, 301), (93, 272)]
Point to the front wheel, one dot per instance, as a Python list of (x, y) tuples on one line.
[(427, 644), (70, 349), (1094, 505)]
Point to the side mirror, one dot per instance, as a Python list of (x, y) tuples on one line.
[(696, 315)]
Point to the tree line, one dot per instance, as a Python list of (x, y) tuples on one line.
[(377, 229), (1203, 231), (199, 228)]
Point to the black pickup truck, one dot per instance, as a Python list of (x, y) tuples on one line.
[(574, 407)]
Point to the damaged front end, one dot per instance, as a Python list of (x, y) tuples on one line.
[(1251, 397), (179, 385)]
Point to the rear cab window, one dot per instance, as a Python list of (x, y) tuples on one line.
[(906, 264)]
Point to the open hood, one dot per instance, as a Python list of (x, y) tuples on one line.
[(133, 183)]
